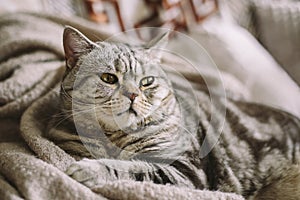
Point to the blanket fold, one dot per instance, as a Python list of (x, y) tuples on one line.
[(36, 179), (31, 165)]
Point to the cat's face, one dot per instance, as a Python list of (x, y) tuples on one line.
[(123, 85)]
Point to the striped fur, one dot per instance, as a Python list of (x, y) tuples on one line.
[(160, 141)]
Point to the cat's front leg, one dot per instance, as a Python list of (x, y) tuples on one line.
[(91, 172), (95, 172)]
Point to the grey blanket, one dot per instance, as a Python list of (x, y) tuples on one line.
[(31, 166)]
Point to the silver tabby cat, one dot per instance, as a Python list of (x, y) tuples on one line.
[(123, 106)]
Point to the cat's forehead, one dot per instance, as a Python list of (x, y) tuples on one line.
[(120, 57), (114, 50)]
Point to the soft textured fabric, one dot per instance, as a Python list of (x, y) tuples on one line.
[(237, 52), (278, 28), (275, 23), (239, 12), (31, 166)]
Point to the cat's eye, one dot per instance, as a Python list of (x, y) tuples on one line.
[(109, 78), (147, 81)]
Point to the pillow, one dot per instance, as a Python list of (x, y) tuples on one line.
[(240, 12), (16, 5), (278, 25), (237, 52)]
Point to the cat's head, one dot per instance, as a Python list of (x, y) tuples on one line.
[(123, 85)]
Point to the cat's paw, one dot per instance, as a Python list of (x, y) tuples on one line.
[(88, 172)]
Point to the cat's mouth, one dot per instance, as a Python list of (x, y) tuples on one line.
[(131, 110)]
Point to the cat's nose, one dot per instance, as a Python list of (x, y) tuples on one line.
[(131, 95)]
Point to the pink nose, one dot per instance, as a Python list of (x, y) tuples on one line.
[(131, 95)]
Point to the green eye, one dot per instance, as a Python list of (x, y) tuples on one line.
[(147, 81), (109, 78)]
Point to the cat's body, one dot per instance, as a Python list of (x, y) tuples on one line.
[(151, 132)]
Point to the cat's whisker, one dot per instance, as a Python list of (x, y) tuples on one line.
[(72, 114)]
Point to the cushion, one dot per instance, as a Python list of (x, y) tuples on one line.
[(237, 52), (240, 12), (278, 25)]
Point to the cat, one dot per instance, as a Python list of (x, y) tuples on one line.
[(134, 125)]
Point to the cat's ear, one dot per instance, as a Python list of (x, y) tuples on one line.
[(156, 46), (75, 45)]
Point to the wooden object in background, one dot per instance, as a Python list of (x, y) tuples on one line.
[(164, 13), (171, 14), (203, 8), (102, 16)]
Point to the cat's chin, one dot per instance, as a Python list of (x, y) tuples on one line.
[(134, 127), (132, 123), (127, 122)]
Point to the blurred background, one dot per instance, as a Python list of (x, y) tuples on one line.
[(274, 23)]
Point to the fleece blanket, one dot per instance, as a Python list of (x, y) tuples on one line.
[(31, 165)]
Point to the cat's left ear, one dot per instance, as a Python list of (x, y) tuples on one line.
[(156, 46), (75, 45)]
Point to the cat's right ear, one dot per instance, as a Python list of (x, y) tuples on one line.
[(156, 46), (75, 45)]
